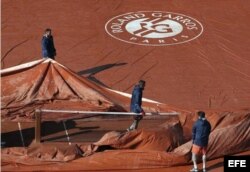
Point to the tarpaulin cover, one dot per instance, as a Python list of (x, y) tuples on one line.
[(48, 84), (210, 72), (140, 149)]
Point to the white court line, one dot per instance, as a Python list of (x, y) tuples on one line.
[(66, 131), (21, 134)]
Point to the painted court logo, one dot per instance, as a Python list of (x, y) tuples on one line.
[(154, 28)]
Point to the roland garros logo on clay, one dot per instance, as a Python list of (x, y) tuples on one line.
[(154, 28)]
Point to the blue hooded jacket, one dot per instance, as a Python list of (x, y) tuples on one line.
[(136, 100), (48, 48), (200, 132)]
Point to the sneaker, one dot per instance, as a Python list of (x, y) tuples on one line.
[(194, 170), (129, 129)]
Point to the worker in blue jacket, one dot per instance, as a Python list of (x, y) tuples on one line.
[(48, 48), (200, 135), (135, 105)]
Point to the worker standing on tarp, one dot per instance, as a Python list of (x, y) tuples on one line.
[(200, 135), (48, 48), (136, 102)]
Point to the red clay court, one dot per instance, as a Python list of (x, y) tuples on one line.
[(193, 55)]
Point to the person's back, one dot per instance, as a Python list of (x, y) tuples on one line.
[(202, 132), (48, 48), (136, 100), (200, 136), (135, 105)]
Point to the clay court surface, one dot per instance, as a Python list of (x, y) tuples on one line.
[(204, 67), (211, 71)]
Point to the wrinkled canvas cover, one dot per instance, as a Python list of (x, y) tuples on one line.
[(48, 84), (141, 149), (211, 72)]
